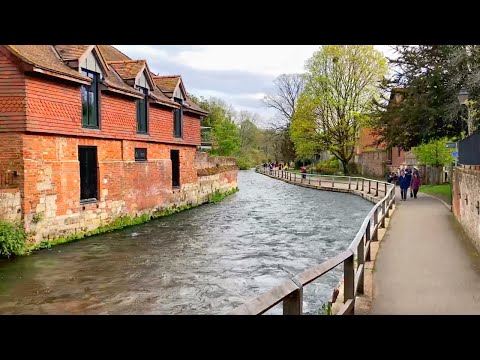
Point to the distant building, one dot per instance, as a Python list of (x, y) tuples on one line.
[(376, 160)]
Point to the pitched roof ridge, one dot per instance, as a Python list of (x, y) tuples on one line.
[(113, 47), (125, 61), (166, 76)]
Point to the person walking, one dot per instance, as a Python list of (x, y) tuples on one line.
[(404, 184), (415, 184), (408, 174)]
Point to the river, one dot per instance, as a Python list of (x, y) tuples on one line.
[(206, 260)]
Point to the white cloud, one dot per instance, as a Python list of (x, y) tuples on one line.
[(247, 67), (265, 59)]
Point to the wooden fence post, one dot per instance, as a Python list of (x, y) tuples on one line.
[(293, 303), (361, 261), (367, 239), (375, 222), (349, 281), (376, 192)]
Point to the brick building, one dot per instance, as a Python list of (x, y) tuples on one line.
[(375, 159), (88, 134)]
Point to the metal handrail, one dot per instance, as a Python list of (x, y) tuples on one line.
[(290, 292)]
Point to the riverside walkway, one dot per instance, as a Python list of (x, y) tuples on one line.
[(425, 264)]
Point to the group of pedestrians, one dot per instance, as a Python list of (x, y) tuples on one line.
[(275, 166), (409, 179)]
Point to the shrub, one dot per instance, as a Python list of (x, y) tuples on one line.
[(328, 167), (244, 163), (12, 239)]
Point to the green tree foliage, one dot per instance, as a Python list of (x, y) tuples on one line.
[(434, 153), (341, 87), (430, 78), (233, 134)]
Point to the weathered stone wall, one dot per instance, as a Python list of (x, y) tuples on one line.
[(10, 205), (466, 201), (372, 162)]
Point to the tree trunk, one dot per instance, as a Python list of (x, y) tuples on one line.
[(345, 167)]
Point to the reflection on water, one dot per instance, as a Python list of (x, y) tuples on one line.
[(207, 260)]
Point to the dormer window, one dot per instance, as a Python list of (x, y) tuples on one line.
[(178, 119), (90, 113), (142, 111)]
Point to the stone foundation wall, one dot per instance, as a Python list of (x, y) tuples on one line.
[(10, 205), (466, 201)]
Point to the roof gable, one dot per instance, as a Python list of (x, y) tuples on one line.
[(44, 59), (131, 71), (170, 84)]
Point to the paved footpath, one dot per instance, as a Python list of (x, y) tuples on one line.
[(425, 264)]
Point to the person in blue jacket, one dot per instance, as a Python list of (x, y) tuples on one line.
[(404, 182)]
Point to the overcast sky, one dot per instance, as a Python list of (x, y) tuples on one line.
[(239, 74)]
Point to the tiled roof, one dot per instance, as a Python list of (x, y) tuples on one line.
[(167, 83), (194, 107), (71, 52), (127, 69), (44, 57), (110, 53), (160, 97), (120, 68)]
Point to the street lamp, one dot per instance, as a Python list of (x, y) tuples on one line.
[(462, 96)]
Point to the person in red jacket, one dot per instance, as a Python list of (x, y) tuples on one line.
[(415, 184)]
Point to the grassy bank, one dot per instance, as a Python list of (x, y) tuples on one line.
[(442, 192), (13, 241)]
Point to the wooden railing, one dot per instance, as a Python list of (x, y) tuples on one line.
[(290, 292)]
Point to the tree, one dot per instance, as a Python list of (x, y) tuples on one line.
[(341, 84), (430, 78), (434, 153), (284, 99)]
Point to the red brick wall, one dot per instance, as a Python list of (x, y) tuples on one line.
[(12, 96), (11, 158), (55, 107), (52, 168), (191, 129), (398, 158), (366, 141)]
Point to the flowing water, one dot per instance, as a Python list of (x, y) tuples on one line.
[(206, 260)]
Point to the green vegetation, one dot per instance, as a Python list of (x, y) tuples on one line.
[(443, 191), (341, 86), (434, 153), (12, 239), (219, 196), (328, 167), (233, 134), (326, 309), (126, 221), (428, 79)]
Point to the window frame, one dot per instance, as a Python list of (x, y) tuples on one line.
[(140, 159), (146, 112), (95, 179), (178, 113), (94, 88)]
